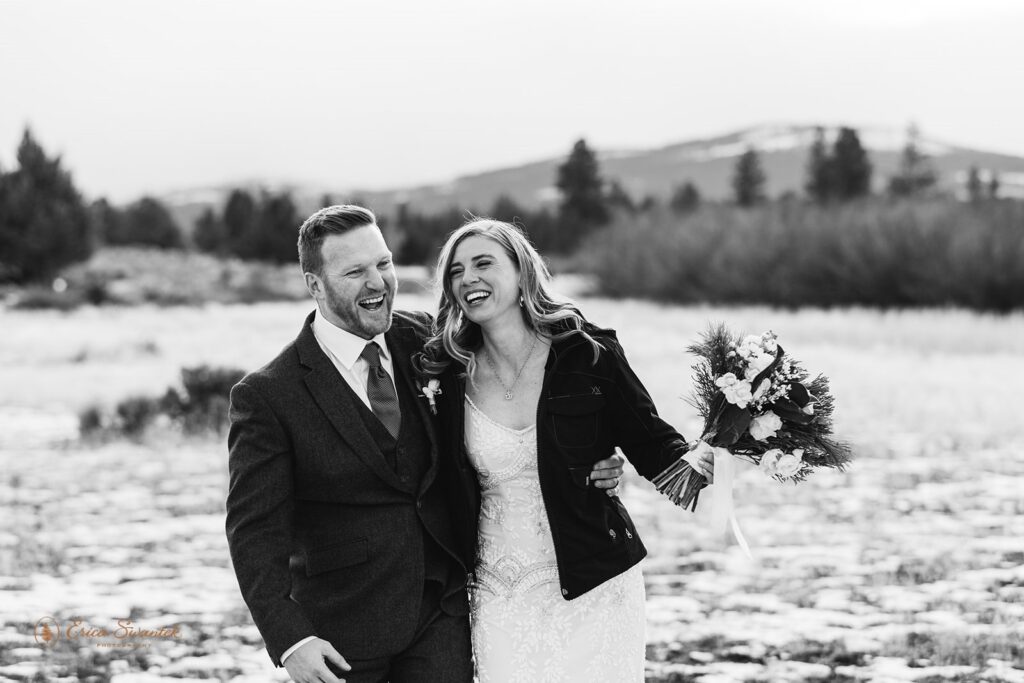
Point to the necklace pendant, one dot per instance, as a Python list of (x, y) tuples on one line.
[(508, 395)]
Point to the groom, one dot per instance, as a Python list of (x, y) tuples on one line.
[(338, 516)]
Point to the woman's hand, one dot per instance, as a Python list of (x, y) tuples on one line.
[(705, 465)]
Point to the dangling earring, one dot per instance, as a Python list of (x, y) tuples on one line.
[(521, 302)]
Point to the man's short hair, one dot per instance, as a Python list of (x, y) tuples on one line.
[(332, 220)]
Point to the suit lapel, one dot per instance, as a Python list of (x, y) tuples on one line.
[(403, 342), (337, 401)]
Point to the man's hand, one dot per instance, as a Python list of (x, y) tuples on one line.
[(606, 474), (306, 665)]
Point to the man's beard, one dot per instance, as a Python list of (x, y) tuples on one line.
[(358, 320)]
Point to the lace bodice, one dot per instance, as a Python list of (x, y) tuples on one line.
[(515, 550), (523, 630)]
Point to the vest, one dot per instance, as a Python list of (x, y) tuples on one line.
[(409, 456)]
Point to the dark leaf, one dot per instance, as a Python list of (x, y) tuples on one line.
[(798, 394), (732, 424), (764, 374), (788, 410)]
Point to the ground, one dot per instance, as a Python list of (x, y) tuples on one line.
[(908, 567)]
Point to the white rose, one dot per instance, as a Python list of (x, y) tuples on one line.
[(756, 364), (790, 463), (765, 426), (769, 460), (751, 340), (736, 391)]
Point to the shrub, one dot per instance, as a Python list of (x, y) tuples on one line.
[(135, 414), (958, 648), (201, 407), (203, 384), (875, 253), (91, 420), (42, 298), (205, 406)]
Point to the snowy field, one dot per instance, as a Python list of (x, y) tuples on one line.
[(909, 567)]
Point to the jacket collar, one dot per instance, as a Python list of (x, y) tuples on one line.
[(575, 338), (329, 392)]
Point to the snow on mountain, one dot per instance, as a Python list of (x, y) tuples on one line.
[(707, 163), (784, 137)]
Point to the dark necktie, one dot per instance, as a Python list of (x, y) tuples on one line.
[(381, 390)]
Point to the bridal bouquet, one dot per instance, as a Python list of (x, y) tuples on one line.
[(759, 405)]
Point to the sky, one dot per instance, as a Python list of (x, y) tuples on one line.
[(149, 97)]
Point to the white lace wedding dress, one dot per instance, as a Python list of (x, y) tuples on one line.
[(523, 629)]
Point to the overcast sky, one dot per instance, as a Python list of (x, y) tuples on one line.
[(153, 96)]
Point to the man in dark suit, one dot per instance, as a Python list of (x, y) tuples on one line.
[(338, 516)]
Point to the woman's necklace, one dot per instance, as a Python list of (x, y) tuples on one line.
[(508, 389)]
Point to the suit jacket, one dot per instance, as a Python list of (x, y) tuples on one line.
[(321, 529)]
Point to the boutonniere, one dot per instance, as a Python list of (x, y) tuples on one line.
[(431, 391)]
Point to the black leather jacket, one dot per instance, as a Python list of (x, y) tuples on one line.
[(586, 409)]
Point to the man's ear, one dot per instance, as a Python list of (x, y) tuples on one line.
[(314, 285)]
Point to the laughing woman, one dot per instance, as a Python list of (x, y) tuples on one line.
[(534, 395)]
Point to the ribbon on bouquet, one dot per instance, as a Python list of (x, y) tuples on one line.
[(722, 507)]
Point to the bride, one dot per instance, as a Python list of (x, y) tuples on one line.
[(540, 395)]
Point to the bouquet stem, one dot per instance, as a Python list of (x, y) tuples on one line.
[(681, 484)]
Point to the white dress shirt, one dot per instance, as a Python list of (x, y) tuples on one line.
[(344, 349)]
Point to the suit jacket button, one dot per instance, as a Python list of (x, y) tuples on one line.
[(419, 504), (565, 592)]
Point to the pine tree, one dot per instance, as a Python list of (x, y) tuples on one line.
[(685, 198), (239, 223), (44, 224), (993, 186), (542, 228), (618, 198), (107, 221), (819, 185), (915, 174), (508, 210), (276, 230), (650, 202), (851, 168), (975, 188), (147, 222), (208, 234), (583, 207), (748, 179)]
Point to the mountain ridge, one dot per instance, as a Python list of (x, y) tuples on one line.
[(706, 162)]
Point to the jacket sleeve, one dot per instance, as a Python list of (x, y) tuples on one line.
[(259, 519), (648, 442)]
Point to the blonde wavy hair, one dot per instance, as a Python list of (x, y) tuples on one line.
[(456, 338)]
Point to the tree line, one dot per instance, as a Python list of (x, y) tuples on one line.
[(46, 224)]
